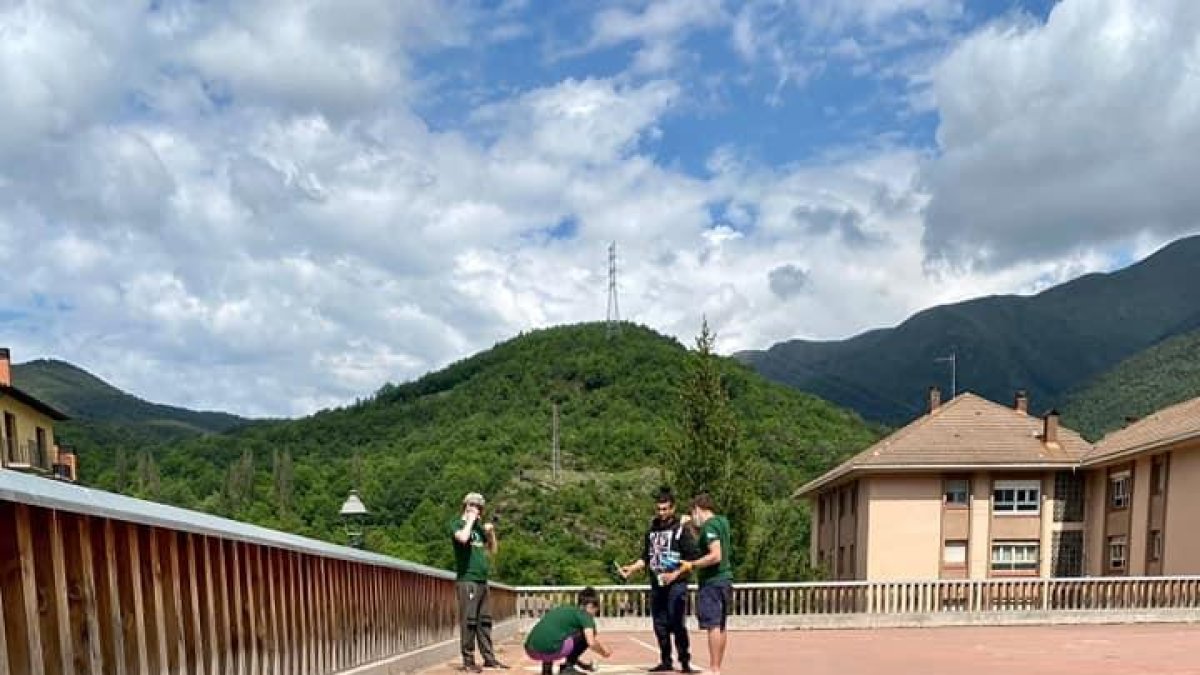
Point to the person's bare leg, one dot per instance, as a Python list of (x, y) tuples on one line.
[(716, 650)]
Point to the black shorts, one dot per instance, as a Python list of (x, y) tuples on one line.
[(712, 604)]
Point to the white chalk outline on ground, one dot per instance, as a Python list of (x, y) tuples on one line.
[(654, 650)]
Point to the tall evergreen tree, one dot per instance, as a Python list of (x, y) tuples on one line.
[(706, 455)]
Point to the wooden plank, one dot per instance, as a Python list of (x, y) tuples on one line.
[(29, 590), (286, 600), (211, 620), (4, 669), (154, 580), (238, 608), (176, 626), (302, 566), (271, 583), (12, 611), (223, 585), (58, 586), (76, 564), (321, 592), (194, 603), (93, 651), (258, 620), (104, 541)]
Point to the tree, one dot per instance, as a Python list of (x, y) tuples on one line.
[(706, 455), (149, 483), (239, 486), (283, 474)]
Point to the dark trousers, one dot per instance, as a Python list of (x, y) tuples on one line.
[(475, 617), (668, 607)]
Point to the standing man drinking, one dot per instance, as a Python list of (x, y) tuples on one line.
[(714, 572), (474, 540), (667, 543)]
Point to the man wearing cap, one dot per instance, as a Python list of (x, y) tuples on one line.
[(473, 541)]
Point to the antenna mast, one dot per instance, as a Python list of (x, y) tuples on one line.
[(614, 308), (953, 359)]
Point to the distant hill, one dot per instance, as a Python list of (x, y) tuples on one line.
[(1162, 375), (87, 398), (1047, 344), (484, 424)]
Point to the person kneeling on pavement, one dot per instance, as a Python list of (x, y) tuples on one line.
[(565, 633)]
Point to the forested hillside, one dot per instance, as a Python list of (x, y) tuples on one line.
[(485, 424)]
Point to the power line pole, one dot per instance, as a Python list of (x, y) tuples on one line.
[(614, 308), (953, 359), (555, 453)]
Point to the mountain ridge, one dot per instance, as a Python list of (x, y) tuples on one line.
[(1046, 343)]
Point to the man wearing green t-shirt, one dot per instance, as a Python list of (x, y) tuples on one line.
[(566, 632), (714, 572), (473, 541)]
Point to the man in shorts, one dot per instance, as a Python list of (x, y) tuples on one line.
[(714, 572), (565, 633)]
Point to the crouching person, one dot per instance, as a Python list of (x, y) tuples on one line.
[(565, 633)]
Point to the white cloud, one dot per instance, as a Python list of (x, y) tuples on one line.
[(1078, 133), (276, 229), (660, 27)]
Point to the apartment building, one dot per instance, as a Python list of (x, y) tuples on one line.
[(27, 431), (970, 490), (1145, 480)]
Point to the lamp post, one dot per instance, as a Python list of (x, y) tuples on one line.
[(353, 513)]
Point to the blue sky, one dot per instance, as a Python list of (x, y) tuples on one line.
[(297, 203)]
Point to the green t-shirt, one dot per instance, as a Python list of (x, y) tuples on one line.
[(556, 626), (716, 529), (470, 559)]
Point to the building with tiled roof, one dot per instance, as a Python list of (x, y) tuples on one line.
[(974, 489), (27, 431)]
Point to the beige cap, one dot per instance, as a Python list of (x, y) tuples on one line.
[(474, 498)]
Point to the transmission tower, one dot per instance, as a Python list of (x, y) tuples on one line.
[(614, 308)]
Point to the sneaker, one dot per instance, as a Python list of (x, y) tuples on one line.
[(495, 665), (569, 669), (686, 667), (589, 667), (662, 668), (469, 668)]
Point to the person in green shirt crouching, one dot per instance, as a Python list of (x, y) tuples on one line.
[(714, 572), (565, 633)]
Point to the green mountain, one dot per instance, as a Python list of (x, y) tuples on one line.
[(485, 423), (87, 398), (1046, 344), (1162, 375)]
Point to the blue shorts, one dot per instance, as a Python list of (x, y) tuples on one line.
[(712, 604)]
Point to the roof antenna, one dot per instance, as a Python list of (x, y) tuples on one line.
[(953, 359)]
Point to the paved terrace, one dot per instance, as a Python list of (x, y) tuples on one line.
[(1028, 650)]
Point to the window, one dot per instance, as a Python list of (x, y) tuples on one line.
[(1158, 475), (958, 492), (841, 503), (1066, 554), (854, 500), (1118, 490), (954, 554), (1117, 552), (1017, 497), (42, 456), (10, 438), (1068, 497), (1156, 545), (821, 509), (1019, 556)]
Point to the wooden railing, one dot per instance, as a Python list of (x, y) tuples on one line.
[(896, 598), (92, 582)]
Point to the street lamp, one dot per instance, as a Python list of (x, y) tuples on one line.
[(353, 513)]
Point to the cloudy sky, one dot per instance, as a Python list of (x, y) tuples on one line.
[(270, 208)]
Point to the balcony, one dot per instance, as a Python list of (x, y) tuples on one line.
[(27, 455)]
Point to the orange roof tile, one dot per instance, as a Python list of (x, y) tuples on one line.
[(969, 431), (1163, 427)]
